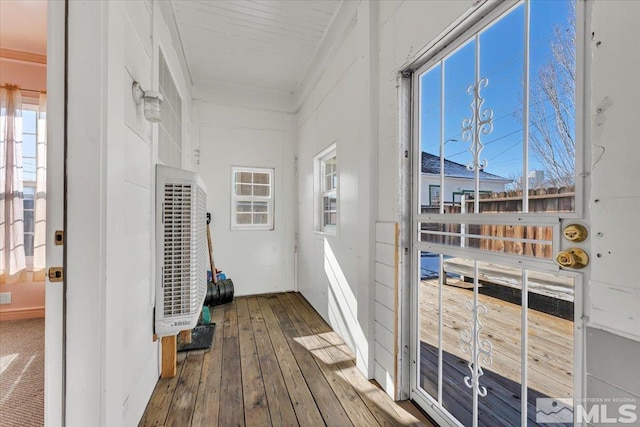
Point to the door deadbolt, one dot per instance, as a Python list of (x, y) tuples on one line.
[(572, 258), (575, 233), (56, 274)]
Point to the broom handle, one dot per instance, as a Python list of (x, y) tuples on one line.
[(213, 265)]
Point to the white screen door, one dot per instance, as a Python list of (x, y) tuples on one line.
[(496, 338)]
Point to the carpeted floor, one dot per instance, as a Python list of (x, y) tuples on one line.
[(22, 373)]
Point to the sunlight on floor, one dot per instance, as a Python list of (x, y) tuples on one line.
[(5, 361), (25, 369)]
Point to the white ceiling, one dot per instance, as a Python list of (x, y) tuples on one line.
[(253, 44), (23, 25)]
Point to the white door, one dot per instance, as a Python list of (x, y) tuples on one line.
[(54, 305), (496, 331)]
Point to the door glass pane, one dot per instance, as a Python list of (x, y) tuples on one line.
[(552, 98), (430, 134), (550, 352), (429, 315), (456, 396), (502, 60), (501, 319)]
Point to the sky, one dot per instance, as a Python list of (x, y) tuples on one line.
[(501, 47)]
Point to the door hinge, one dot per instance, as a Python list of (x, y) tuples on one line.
[(59, 238), (56, 274)]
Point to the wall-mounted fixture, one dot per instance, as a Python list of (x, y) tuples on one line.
[(152, 102)]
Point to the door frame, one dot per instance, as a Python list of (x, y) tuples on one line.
[(55, 294), (471, 21)]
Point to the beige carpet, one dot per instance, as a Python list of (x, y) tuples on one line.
[(22, 373)]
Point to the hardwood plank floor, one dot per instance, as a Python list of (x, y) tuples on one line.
[(274, 362)]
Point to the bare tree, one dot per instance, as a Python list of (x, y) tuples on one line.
[(552, 106)]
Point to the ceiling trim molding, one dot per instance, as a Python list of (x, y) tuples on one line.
[(17, 55), (342, 23)]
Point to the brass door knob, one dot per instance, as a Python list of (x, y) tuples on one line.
[(575, 233), (572, 258)]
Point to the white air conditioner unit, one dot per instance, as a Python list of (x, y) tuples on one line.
[(181, 248)]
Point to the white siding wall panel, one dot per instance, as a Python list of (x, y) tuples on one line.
[(385, 306), (384, 316), (385, 274), (384, 379), (385, 338), (385, 296), (386, 254)]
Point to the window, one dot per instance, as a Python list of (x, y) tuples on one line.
[(29, 146), (252, 198), (434, 195), (170, 130), (327, 187)]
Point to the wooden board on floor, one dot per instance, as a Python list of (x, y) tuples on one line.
[(303, 400), (185, 396), (280, 407), (255, 399), (207, 404), (231, 400)]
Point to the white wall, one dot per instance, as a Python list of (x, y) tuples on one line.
[(614, 198), (112, 361), (258, 261), (335, 273)]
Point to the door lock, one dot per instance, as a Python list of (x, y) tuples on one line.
[(572, 258), (56, 274), (575, 233)]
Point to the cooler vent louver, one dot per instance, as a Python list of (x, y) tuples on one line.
[(181, 250)]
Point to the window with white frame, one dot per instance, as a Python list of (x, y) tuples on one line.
[(251, 198), (327, 190)]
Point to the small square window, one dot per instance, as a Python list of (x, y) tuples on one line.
[(252, 198)]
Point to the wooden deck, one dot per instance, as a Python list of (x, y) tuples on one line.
[(550, 355), (274, 362)]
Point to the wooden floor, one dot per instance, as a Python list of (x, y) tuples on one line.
[(274, 362)]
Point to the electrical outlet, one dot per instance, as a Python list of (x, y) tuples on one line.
[(5, 297)]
